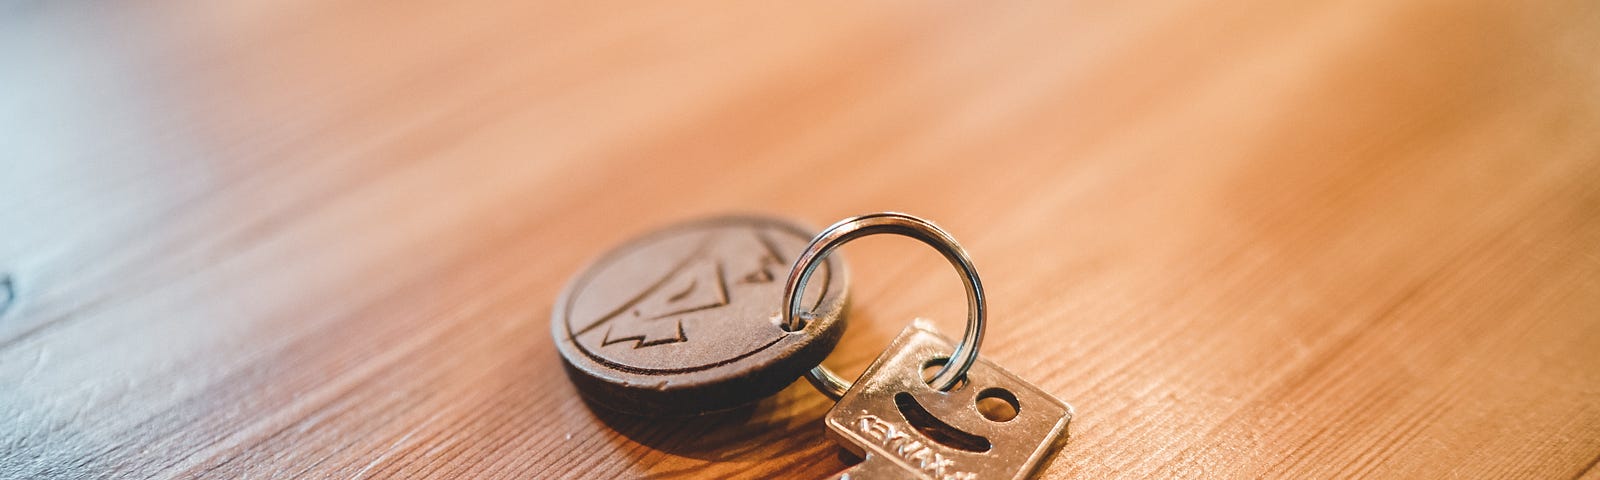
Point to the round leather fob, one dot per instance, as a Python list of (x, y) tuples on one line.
[(685, 320)]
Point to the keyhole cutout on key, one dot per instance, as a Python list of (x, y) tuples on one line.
[(931, 368), (998, 404)]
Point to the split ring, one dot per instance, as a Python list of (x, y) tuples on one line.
[(966, 352)]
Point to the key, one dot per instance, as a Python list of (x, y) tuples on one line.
[(994, 426), (685, 320)]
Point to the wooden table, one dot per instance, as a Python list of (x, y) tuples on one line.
[(322, 239)]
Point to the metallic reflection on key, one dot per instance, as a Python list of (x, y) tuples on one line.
[(903, 428)]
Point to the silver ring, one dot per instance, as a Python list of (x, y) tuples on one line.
[(852, 228)]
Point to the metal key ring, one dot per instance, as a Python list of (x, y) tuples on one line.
[(852, 228)]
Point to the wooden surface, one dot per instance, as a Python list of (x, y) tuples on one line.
[(322, 239)]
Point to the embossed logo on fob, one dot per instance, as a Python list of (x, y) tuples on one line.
[(687, 298), (703, 283), (688, 317)]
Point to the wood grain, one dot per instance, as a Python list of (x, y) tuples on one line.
[(300, 239)]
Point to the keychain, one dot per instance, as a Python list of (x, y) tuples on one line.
[(969, 420)]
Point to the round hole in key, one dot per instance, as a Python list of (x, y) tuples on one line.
[(931, 368), (998, 404)]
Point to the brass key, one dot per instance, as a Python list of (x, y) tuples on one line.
[(904, 428)]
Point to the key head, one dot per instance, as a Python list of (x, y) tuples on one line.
[(685, 320), (994, 426)]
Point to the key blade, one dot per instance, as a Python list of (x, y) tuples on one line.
[(893, 418)]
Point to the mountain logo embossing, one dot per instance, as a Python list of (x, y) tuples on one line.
[(724, 270)]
